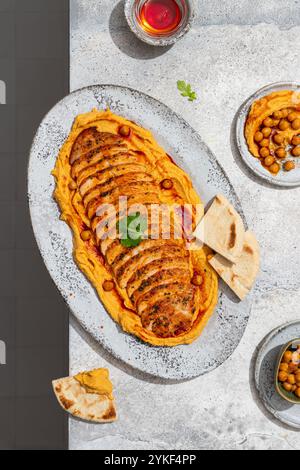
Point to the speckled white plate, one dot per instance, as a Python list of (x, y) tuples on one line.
[(265, 367), (284, 178), (226, 327)]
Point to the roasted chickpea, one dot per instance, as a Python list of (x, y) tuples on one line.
[(278, 138), (288, 387), (268, 122), (291, 379), (296, 140), (269, 160), (292, 116), (124, 131), (293, 367), (282, 376), (284, 367), (281, 152), (297, 392), (264, 152), (72, 185), (296, 151), (294, 387), (275, 168), (284, 125), (258, 136), (108, 286), (277, 115), (266, 131), (297, 377), (167, 184), (264, 143), (276, 122), (285, 113), (296, 124), (86, 235), (289, 166), (287, 357)]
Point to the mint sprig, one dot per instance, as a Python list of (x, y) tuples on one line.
[(186, 90), (131, 230)]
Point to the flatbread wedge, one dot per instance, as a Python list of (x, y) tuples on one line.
[(240, 276), (95, 404), (222, 229)]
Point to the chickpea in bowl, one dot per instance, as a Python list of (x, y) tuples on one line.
[(287, 378)]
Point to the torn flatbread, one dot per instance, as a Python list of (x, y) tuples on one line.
[(90, 399), (222, 229), (240, 276)]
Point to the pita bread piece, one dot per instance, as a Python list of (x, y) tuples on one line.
[(240, 276), (87, 396), (222, 229)]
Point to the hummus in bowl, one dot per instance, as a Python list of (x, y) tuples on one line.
[(272, 130)]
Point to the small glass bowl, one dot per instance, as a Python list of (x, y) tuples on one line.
[(287, 396), (132, 9)]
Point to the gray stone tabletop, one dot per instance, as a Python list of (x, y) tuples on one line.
[(234, 48)]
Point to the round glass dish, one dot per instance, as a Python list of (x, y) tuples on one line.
[(265, 367), (283, 178), (133, 11)]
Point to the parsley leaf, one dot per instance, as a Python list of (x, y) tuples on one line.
[(131, 230), (186, 90)]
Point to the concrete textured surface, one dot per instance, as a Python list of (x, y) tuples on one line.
[(234, 48)]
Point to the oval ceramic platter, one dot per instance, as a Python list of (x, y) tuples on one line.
[(265, 367), (226, 327), (284, 178)]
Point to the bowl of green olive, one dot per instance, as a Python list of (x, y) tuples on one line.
[(287, 376)]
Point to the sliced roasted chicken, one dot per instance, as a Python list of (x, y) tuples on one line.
[(156, 273)]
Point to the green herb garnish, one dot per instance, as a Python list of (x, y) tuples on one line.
[(131, 230), (186, 90)]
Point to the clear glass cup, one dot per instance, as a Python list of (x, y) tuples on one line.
[(133, 9)]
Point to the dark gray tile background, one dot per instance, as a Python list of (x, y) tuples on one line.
[(34, 63)]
